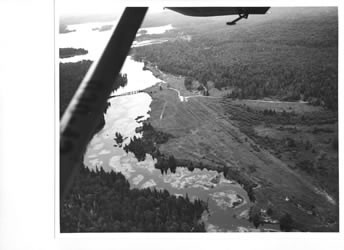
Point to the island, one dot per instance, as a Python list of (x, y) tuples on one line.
[(70, 52), (103, 28)]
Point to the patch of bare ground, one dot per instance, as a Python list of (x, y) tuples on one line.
[(220, 134)]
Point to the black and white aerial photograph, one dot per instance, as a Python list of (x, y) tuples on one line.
[(197, 119), (171, 124)]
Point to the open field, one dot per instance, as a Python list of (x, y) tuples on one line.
[(211, 132), (302, 136), (280, 106)]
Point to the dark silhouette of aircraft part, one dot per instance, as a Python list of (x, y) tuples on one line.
[(85, 111), (241, 16), (243, 12)]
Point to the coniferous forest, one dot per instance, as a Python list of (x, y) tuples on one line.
[(102, 201), (71, 75), (290, 54)]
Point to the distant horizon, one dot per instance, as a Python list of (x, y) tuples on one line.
[(66, 17), (78, 8)]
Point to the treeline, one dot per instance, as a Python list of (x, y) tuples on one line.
[(70, 52), (104, 202), (71, 75), (288, 59), (63, 29)]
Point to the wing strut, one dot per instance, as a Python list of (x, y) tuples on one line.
[(241, 16), (85, 111)]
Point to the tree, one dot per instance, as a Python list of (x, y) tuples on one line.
[(191, 167), (119, 138), (256, 220), (172, 165), (286, 223), (188, 83)]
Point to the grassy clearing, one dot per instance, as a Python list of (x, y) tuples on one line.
[(305, 141), (291, 107)]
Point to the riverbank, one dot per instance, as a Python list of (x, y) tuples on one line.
[(203, 134)]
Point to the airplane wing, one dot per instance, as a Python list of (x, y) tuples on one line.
[(219, 11)]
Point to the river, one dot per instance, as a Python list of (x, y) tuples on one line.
[(228, 202)]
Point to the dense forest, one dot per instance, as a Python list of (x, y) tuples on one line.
[(71, 75), (70, 52), (292, 54), (104, 202)]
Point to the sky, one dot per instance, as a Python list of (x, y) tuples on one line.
[(83, 7)]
